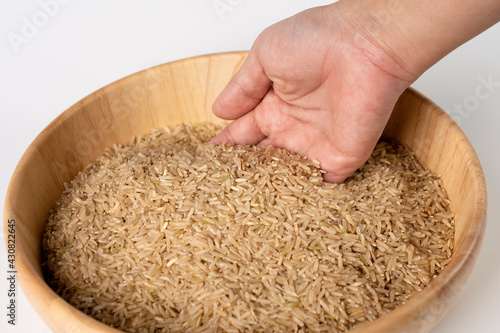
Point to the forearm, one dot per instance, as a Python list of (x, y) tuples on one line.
[(418, 33)]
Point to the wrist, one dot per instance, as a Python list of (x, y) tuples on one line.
[(373, 29), (413, 35), (405, 38)]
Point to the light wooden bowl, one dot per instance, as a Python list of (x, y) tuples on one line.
[(183, 91)]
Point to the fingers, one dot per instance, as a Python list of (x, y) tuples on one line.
[(244, 130), (338, 164), (340, 170), (245, 90), (335, 178)]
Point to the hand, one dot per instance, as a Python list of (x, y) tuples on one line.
[(323, 83), (315, 85)]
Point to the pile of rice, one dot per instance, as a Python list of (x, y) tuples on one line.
[(172, 234)]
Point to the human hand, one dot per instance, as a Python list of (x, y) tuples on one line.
[(323, 83), (312, 85)]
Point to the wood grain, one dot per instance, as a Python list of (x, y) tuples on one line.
[(183, 91)]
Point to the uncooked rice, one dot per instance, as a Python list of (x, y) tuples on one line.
[(171, 234)]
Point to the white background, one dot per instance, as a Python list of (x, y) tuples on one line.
[(83, 45)]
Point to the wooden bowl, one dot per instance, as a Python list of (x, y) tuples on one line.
[(183, 91)]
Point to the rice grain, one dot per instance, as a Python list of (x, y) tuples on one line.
[(171, 234)]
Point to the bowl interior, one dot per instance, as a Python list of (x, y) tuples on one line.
[(183, 91)]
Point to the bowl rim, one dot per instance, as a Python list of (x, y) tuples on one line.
[(457, 271)]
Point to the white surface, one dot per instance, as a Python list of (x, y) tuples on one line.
[(84, 45)]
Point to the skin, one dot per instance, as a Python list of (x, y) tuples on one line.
[(323, 83)]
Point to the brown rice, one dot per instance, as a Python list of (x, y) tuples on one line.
[(170, 234)]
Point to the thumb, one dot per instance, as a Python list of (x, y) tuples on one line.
[(245, 90)]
